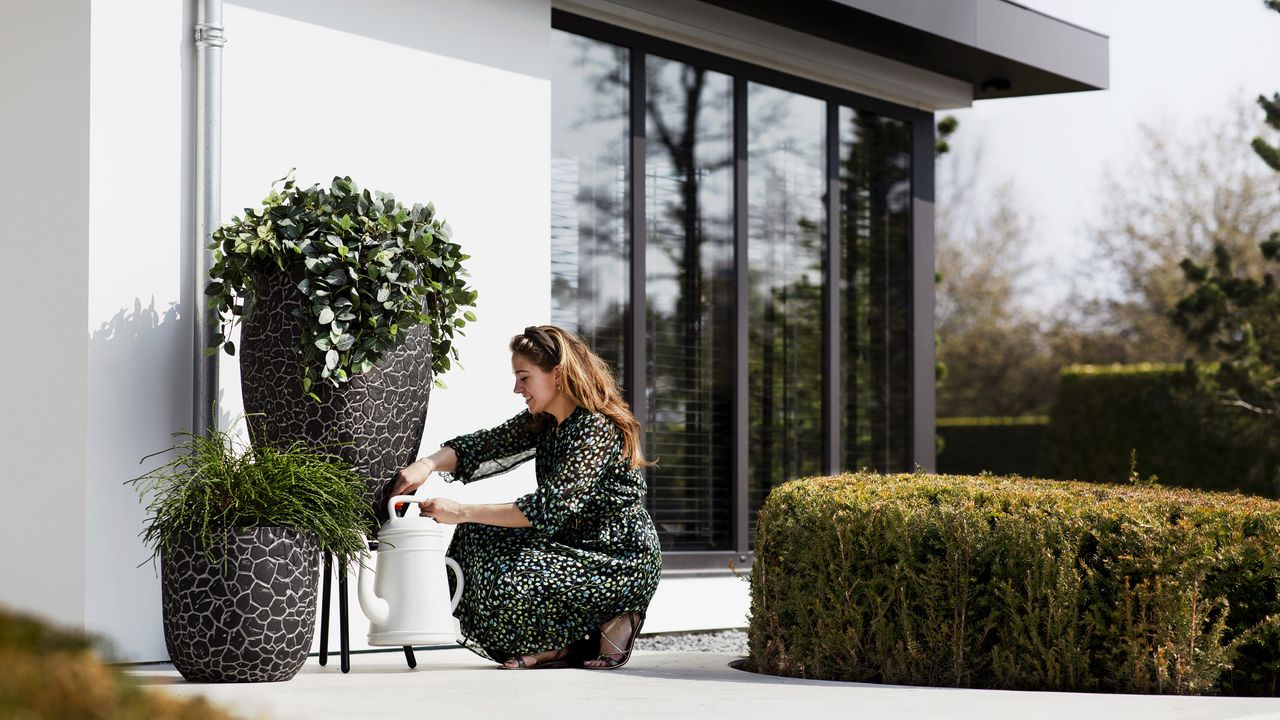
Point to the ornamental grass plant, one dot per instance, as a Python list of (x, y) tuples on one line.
[(216, 482), (1006, 582)]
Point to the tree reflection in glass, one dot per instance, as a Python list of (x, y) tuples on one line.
[(786, 216), (590, 241), (689, 286), (875, 290)]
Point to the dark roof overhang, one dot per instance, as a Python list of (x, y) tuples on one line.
[(1001, 48)]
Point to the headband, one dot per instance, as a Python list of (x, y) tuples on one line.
[(544, 342)]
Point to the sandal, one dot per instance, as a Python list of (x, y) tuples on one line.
[(559, 660), (620, 655)]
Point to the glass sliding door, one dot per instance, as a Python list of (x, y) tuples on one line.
[(698, 244), (786, 177), (689, 300), (590, 242), (875, 290)]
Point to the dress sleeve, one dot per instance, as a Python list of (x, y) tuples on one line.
[(575, 477), (486, 453)]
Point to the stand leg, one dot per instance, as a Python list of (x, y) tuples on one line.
[(409, 658), (343, 640), (324, 610)]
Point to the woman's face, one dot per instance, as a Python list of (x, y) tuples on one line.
[(537, 386)]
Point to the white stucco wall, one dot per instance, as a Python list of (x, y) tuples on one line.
[(140, 273), (447, 101), (44, 200), (442, 101)]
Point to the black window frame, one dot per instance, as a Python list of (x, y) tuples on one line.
[(919, 262)]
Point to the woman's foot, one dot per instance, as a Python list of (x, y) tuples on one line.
[(544, 660), (617, 639)]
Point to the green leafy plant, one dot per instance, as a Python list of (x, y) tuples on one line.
[(1237, 314), (1009, 582), (366, 268), (53, 673), (216, 482)]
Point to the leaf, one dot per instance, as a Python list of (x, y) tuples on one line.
[(383, 294), (345, 342), (331, 359), (326, 316), (230, 347)]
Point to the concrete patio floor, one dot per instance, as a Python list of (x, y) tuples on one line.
[(454, 683)]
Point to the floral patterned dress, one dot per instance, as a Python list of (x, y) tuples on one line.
[(592, 552)]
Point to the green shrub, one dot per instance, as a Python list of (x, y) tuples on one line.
[(53, 674), (1001, 582), (1000, 445), (1104, 414)]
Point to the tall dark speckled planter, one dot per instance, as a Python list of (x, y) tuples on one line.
[(374, 422), (246, 611)]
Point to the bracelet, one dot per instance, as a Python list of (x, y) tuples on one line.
[(415, 462)]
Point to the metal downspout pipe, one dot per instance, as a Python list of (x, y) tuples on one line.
[(209, 39)]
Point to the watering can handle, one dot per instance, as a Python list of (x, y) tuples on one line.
[(457, 573), (391, 502)]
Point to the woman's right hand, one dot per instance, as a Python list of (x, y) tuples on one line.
[(411, 477)]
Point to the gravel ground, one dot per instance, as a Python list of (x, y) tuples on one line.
[(721, 641)]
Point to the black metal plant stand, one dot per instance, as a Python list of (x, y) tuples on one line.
[(344, 640)]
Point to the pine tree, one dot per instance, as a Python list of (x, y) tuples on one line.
[(1239, 314)]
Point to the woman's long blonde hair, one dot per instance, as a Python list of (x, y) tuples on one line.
[(585, 379)]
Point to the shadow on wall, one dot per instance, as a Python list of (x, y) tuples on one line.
[(139, 393)]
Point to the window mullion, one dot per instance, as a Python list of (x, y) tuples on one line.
[(741, 421), (636, 341), (831, 405)]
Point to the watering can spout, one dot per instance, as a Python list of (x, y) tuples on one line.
[(374, 607)]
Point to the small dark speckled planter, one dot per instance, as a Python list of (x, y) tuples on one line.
[(246, 611)]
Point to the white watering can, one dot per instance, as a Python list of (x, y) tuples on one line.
[(408, 602)]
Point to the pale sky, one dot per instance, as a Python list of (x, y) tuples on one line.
[(1185, 61)]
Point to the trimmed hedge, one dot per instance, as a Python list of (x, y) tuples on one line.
[(53, 674), (1000, 445), (1103, 413), (995, 582)]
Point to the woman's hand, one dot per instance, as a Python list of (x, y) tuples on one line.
[(442, 510), (411, 477)]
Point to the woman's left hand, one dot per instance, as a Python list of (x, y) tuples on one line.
[(442, 510)]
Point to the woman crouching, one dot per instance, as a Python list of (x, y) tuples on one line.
[(562, 576)]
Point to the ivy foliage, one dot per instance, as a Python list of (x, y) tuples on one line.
[(366, 268)]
